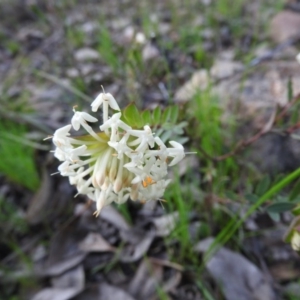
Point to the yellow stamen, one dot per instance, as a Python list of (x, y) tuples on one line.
[(148, 180)]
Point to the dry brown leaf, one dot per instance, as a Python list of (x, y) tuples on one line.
[(94, 242), (112, 216), (40, 202), (64, 249), (188, 292), (174, 275), (167, 263), (239, 278), (172, 282), (285, 271), (138, 244), (62, 266), (108, 291), (73, 278), (103, 291), (55, 294), (147, 278), (65, 286)]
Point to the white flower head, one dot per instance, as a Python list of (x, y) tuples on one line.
[(117, 163)]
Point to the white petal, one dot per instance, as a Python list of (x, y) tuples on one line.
[(76, 152), (60, 154), (136, 180), (79, 150), (63, 132), (111, 101), (109, 122), (123, 125), (176, 145), (97, 102), (176, 159), (75, 123), (88, 117)]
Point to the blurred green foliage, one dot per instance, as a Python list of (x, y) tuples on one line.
[(17, 158)]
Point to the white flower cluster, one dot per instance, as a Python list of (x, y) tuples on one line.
[(117, 163)]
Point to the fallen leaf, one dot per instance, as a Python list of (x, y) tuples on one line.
[(112, 216), (285, 271), (73, 278), (138, 243), (167, 263), (147, 277), (64, 249), (65, 287), (188, 292), (103, 291), (55, 294), (239, 278), (40, 201), (108, 291), (94, 242), (172, 281), (62, 266)]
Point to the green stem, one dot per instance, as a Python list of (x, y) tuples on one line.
[(235, 223)]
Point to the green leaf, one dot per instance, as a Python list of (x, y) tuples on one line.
[(297, 199), (280, 207), (236, 222), (230, 195), (295, 191), (132, 116), (296, 211), (251, 198), (274, 216), (146, 117), (166, 115), (18, 159), (263, 185), (174, 114), (156, 115)]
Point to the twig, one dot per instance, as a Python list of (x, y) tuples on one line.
[(287, 107), (266, 129), (293, 128), (244, 143)]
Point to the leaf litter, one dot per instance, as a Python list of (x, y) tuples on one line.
[(74, 255)]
